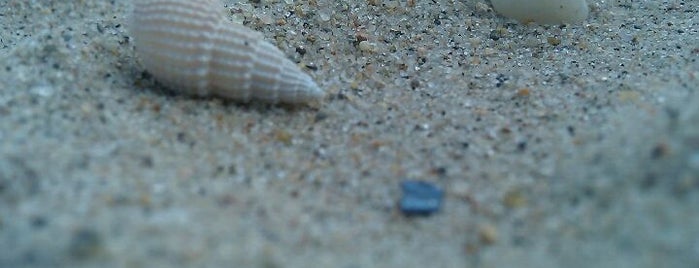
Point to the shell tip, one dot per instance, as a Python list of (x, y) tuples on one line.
[(314, 92)]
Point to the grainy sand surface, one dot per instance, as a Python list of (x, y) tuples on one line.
[(573, 146)]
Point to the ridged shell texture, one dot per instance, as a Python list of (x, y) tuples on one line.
[(190, 46)]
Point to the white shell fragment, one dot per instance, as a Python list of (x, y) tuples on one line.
[(543, 11), (190, 46)]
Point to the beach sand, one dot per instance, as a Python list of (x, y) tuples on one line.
[(573, 146)]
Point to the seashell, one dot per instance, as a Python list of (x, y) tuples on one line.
[(190, 46), (543, 11)]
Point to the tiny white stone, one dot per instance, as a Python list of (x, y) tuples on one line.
[(367, 46), (543, 11), (190, 46), (43, 90)]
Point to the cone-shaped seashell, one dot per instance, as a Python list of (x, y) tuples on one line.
[(190, 46)]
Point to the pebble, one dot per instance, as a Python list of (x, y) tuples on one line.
[(420, 198), (514, 199), (85, 243), (367, 46), (488, 234)]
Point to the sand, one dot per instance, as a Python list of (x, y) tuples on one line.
[(573, 146)]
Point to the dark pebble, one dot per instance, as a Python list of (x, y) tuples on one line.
[(85, 243), (301, 50), (420, 198), (38, 222), (495, 35)]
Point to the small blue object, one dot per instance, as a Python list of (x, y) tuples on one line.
[(420, 198)]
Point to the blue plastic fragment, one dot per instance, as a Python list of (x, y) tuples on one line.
[(420, 198)]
